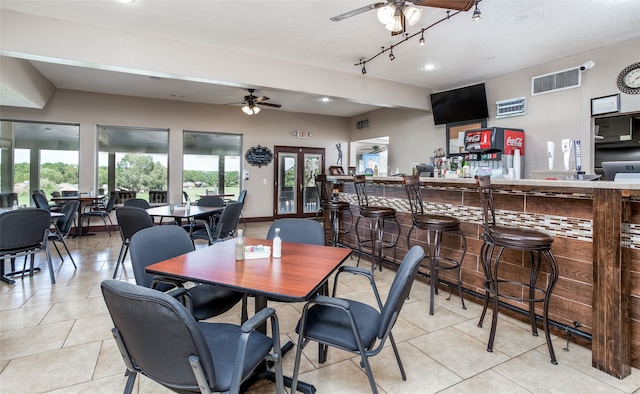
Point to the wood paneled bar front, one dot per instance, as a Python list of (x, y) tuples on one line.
[(596, 229)]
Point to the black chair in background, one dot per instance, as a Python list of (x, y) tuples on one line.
[(69, 193), (354, 326), (63, 227), (158, 337), (241, 197), (138, 203), (157, 196), (130, 220), (205, 222), (40, 200), (151, 245), (185, 197), (302, 231), (24, 232), (220, 227), (7, 199), (102, 213)]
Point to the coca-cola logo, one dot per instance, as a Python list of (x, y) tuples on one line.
[(515, 141), (471, 138)]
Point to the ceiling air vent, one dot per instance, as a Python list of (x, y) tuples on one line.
[(511, 107), (362, 124), (561, 80)]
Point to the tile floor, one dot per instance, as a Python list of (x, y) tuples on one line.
[(56, 339)]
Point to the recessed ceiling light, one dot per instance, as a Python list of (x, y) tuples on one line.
[(429, 66), (325, 99)]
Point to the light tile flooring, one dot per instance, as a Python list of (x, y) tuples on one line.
[(57, 339)]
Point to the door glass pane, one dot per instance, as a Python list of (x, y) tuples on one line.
[(312, 162), (287, 191)]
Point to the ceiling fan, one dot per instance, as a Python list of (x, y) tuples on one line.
[(376, 149), (252, 102), (395, 14)]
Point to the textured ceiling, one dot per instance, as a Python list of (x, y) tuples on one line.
[(512, 35)]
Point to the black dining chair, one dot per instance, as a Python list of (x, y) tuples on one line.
[(221, 227), (63, 227), (354, 326), (138, 203), (302, 231), (24, 232), (159, 338), (151, 245), (40, 200), (131, 219), (102, 212)]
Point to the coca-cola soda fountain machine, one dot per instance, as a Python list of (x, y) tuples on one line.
[(496, 149)]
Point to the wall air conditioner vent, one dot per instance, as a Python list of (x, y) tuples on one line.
[(362, 124), (560, 80), (511, 107)]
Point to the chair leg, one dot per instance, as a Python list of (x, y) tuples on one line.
[(49, 263), (64, 243), (395, 351), (121, 257), (106, 225), (128, 389)]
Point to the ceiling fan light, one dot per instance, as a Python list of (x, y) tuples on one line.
[(395, 25), (250, 109), (412, 13), (386, 13)]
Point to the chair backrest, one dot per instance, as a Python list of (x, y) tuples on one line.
[(7, 199), (302, 231), (211, 201), (360, 184), (69, 193), (241, 196), (138, 203), (227, 222), (486, 201), (40, 200), (64, 223), (112, 202), (185, 196), (131, 220), (158, 196), (55, 194), (323, 188), (400, 288), (24, 228), (143, 320), (414, 193), (151, 245)]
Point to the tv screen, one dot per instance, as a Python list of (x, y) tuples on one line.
[(458, 105)]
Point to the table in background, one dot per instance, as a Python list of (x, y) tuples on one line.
[(84, 201), (297, 276), (182, 212)]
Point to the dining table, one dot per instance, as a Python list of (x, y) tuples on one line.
[(296, 276), (85, 200), (182, 212)]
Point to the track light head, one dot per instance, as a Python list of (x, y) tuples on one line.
[(476, 13), (422, 38)]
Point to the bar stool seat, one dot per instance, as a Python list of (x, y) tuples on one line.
[(436, 226), (497, 238), (377, 216)]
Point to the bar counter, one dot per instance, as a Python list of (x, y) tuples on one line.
[(596, 229)]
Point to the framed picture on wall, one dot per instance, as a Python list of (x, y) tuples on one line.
[(336, 170)]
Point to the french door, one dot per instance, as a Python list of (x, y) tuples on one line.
[(295, 189)]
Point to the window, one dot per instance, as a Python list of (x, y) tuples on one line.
[(38, 156), (132, 159), (211, 164)]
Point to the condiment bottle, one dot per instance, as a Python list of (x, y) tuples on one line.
[(240, 246), (277, 245)]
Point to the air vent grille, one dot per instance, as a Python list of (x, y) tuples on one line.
[(362, 124), (561, 80), (511, 107)]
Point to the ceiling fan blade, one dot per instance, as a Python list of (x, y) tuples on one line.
[(269, 105), (357, 11), (458, 5), (261, 98)]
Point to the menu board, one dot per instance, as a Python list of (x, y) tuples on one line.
[(259, 156)]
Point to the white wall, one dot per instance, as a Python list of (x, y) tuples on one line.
[(549, 117)]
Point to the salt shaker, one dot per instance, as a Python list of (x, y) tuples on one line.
[(277, 245)]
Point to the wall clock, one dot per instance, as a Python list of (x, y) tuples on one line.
[(629, 79), (259, 156)]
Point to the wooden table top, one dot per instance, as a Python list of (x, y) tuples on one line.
[(79, 198), (296, 276), (182, 212)]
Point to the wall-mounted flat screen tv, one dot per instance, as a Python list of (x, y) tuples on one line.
[(458, 105)]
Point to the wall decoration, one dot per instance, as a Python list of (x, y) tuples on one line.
[(605, 105), (259, 156)]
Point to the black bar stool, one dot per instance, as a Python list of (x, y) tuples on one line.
[(335, 208), (527, 240), (377, 216), (436, 226)]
